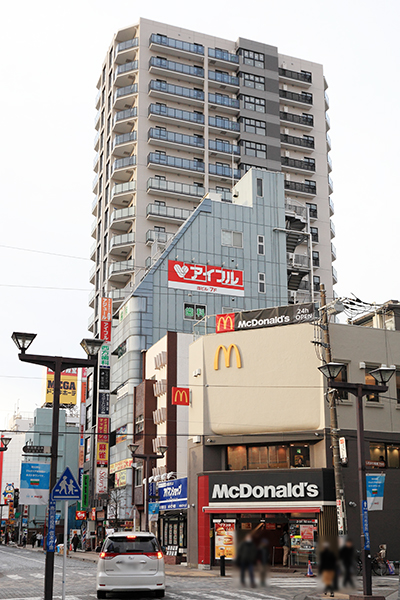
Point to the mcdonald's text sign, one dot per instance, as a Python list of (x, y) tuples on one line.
[(227, 354), (180, 396)]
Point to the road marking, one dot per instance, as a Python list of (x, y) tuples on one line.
[(37, 575), (33, 560)]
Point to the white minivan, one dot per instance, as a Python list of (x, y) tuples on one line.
[(130, 562)]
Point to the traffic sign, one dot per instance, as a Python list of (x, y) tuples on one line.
[(66, 487), (29, 449)]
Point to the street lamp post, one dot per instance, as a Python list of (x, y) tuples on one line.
[(147, 458), (359, 390), (57, 364)]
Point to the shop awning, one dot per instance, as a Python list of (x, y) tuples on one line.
[(260, 509)]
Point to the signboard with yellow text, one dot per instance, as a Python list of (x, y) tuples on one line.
[(68, 388)]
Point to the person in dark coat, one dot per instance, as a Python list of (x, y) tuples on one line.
[(346, 555), (327, 568), (33, 539), (246, 558), (263, 556), (75, 542)]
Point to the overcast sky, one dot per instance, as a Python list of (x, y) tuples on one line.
[(51, 54)]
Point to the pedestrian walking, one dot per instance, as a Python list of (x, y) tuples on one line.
[(33, 539), (285, 543), (346, 555), (263, 556), (327, 568), (247, 556), (24, 541), (75, 542)]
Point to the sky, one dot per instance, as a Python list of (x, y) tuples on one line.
[(51, 55)]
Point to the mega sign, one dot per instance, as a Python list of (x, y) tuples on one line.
[(267, 317), (205, 278)]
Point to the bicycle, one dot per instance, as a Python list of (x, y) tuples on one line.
[(378, 564)]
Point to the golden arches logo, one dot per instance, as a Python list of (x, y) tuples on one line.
[(225, 322), (227, 356), (181, 396)]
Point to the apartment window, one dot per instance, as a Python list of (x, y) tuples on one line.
[(221, 189), (194, 312), (261, 283), (139, 476), (108, 171), (107, 194), (255, 59), (158, 228), (121, 350), (104, 75), (309, 162), (161, 177), (232, 238), (260, 187), (255, 149), (110, 101), (316, 282), (104, 269), (101, 139), (105, 245), (139, 424), (261, 245), (253, 103), (314, 234), (98, 255), (311, 184), (369, 379), (100, 184), (159, 202), (110, 78), (315, 258), (254, 126), (253, 81), (313, 209), (342, 395)]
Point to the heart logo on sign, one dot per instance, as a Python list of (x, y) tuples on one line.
[(181, 271)]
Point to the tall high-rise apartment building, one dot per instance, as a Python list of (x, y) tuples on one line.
[(180, 114)]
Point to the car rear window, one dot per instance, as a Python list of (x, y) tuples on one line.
[(131, 544)]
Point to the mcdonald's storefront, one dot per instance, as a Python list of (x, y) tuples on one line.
[(231, 504)]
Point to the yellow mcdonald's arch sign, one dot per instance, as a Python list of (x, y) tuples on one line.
[(227, 356), (225, 322), (181, 396)]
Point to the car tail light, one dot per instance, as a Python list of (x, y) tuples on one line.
[(154, 555), (107, 555), (131, 537)]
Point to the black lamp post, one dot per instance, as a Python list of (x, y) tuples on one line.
[(58, 364), (146, 458), (382, 375)]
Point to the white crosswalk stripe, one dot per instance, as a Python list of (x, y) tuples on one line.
[(38, 575), (14, 576)]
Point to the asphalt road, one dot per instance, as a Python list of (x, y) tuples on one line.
[(22, 574)]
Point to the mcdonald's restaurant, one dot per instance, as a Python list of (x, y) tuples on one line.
[(259, 450)]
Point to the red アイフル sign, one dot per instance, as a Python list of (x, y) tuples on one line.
[(205, 278)]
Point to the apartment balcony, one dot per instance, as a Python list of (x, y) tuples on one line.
[(331, 207), (93, 229), (223, 172), (224, 103), (119, 272), (97, 100), (298, 266), (222, 58), (94, 206), (329, 161), (306, 143), (168, 214), (298, 296), (125, 51), (328, 143), (95, 184), (326, 98), (91, 298), (332, 229), (296, 212), (124, 144), (122, 219), (181, 71), (125, 95), (119, 295), (162, 187), (299, 121), (295, 99), (301, 189), (124, 74), (95, 161), (333, 251), (294, 164), (122, 193), (327, 122), (121, 245), (164, 162), (223, 81), (161, 237), (224, 149), (124, 120), (162, 89), (330, 185), (97, 120), (176, 47), (334, 276), (224, 126), (162, 137), (165, 114), (96, 141), (122, 168), (91, 322), (295, 77), (92, 273), (225, 196), (92, 252)]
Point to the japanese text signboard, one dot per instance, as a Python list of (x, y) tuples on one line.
[(68, 386), (266, 317), (205, 278)]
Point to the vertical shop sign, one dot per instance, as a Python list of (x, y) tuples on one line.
[(225, 539)]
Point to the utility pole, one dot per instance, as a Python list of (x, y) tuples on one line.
[(337, 467)]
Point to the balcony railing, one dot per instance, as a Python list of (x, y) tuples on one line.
[(298, 76), (223, 78), (125, 68), (122, 240), (297, 141), (223, 100), (97, 117), (126, 91), (225, 196), (162, 237), (298, 119), (223, 171), (298, 164), (122, 213), (170, 212), (334, 275), (130, 113), (175, 161), (296, 186), (95, 181), (328, 141), (219, 146), (123, 188), (177, 90), (304, 97), (223, 123), (171, 65), (124, 139), (124, 163), (176, 113), (331, 206), (330, 183), (177, 138), (329, 160), (333, 251), (328, 120), (326, 100), (223, 55), (301, 211), (175, 187), (333, 229), (126, 45), (121, 267), (163, 40)]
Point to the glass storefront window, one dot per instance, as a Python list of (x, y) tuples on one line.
[(377, 452), (393, 456), (258, 457), (279, 457), (237, 458), (299, 455)]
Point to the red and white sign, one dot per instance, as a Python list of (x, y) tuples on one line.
[(101, 481), (181, 396), (93, 514), (80, 515), (105, 319), (103, 429), (205, 278), (105, 331)]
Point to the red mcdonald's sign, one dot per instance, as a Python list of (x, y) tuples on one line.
[(180, 396), (225, 322)]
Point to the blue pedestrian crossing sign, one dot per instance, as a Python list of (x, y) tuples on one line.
[(66, 487)]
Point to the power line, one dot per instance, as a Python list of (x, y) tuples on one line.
[(43, 252)]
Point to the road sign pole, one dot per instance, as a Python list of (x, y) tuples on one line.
[(65, 547)]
